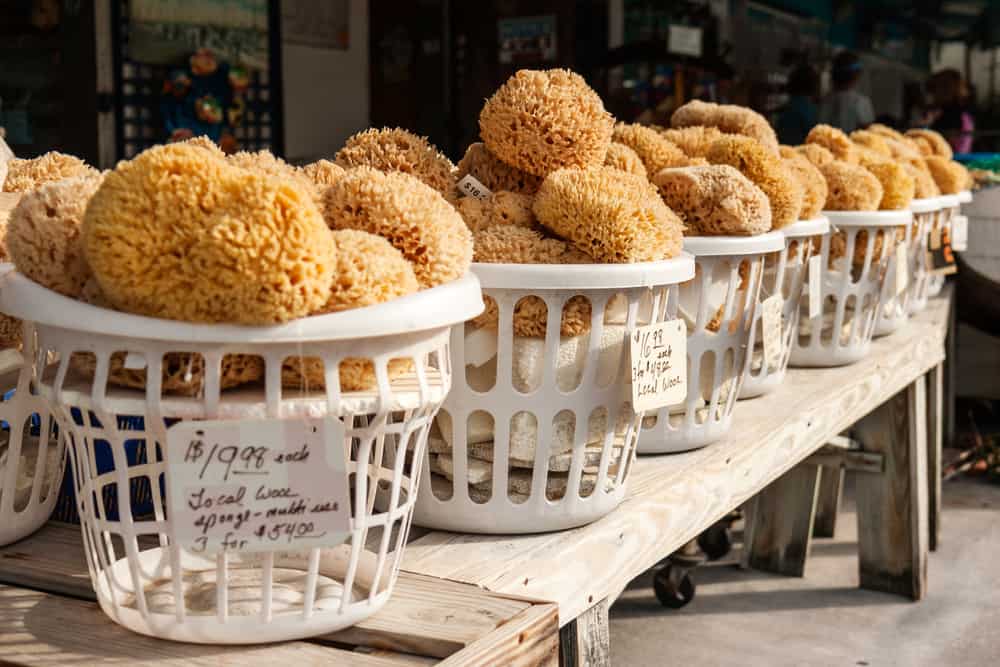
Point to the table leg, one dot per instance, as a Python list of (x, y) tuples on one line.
[(892, 507), (831, 488), (586, 640), (935, 388), (778, 534)]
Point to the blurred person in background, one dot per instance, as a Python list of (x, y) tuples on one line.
[(800, 113), (845, 107), (950, 112)]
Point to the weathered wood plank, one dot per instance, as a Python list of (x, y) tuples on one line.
[(778, 536), (531, 638), (831, 489), (41, 629), (426, 616), (892, 507), (673, 498), (586, 642), (935, 400)]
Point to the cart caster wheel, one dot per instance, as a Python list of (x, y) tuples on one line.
[(673, 586), (715, 541)]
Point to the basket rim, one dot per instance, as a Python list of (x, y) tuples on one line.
[(927, 204), (869, 218), (438, 307), (710, 246), (964, 197), (950, 201), (803, 228), (585, 276)]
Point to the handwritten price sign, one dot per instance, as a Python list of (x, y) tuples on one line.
[(659, 365), (259, 485)]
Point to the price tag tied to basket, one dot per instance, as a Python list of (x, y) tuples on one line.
[(258, 485), (659, 365)]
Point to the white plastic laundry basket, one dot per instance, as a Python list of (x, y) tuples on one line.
[(32, 453), (718, 306), (950, 205), (896, 308), (538, 432), (143, 578), (784, 275), (851, 287)]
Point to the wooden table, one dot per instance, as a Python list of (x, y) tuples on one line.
[(543, 599)]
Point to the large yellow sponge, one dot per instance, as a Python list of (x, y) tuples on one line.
[(396, 149), (766, 171), (714, 200), (175, 235), (728, 118), (495, 174), (541, 121)]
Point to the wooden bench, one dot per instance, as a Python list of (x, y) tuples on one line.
[(542, 599)]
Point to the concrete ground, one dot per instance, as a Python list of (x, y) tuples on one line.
[(748, 618)]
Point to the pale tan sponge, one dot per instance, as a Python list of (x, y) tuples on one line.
[(729, 119), (924, 185), (396, 149), (885, 131), (816, 154), (814, 190), (500, 208), (624, 158), (43, 234), (949, 176), (898, 187), (369, 271), (872, 141), (414, 217), (323, 173), (931, 143), (26, 175), (610, 215), (694, 140), (655, 152), (851, 187), (767, 172), (835, 141), (495, 174), (714, 200), (174, 234), (505, 244), (541, 121)]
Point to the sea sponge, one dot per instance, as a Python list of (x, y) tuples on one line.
[(500, 208), (813, 184), (541, 121), (851, 187), (924, 185), (610, 215), (931, 142), (728, 118), (884, 131), (495, 174), (323, 173), (694, 140), (395, 149), (871, 141), (714, 200), (171, 234), (369, 270), (503, 244), (624, 158), (43, 234), (898, 186), (26, 175), (517, 245), (415, 218), (816, 154), (262, 162), (655, 152), (183, 373), (10, 332), (202, 141), (835, 141), (766, 171), (949, 176)]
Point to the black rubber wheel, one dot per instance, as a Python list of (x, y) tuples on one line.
[(673, 586), (715, 541)]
